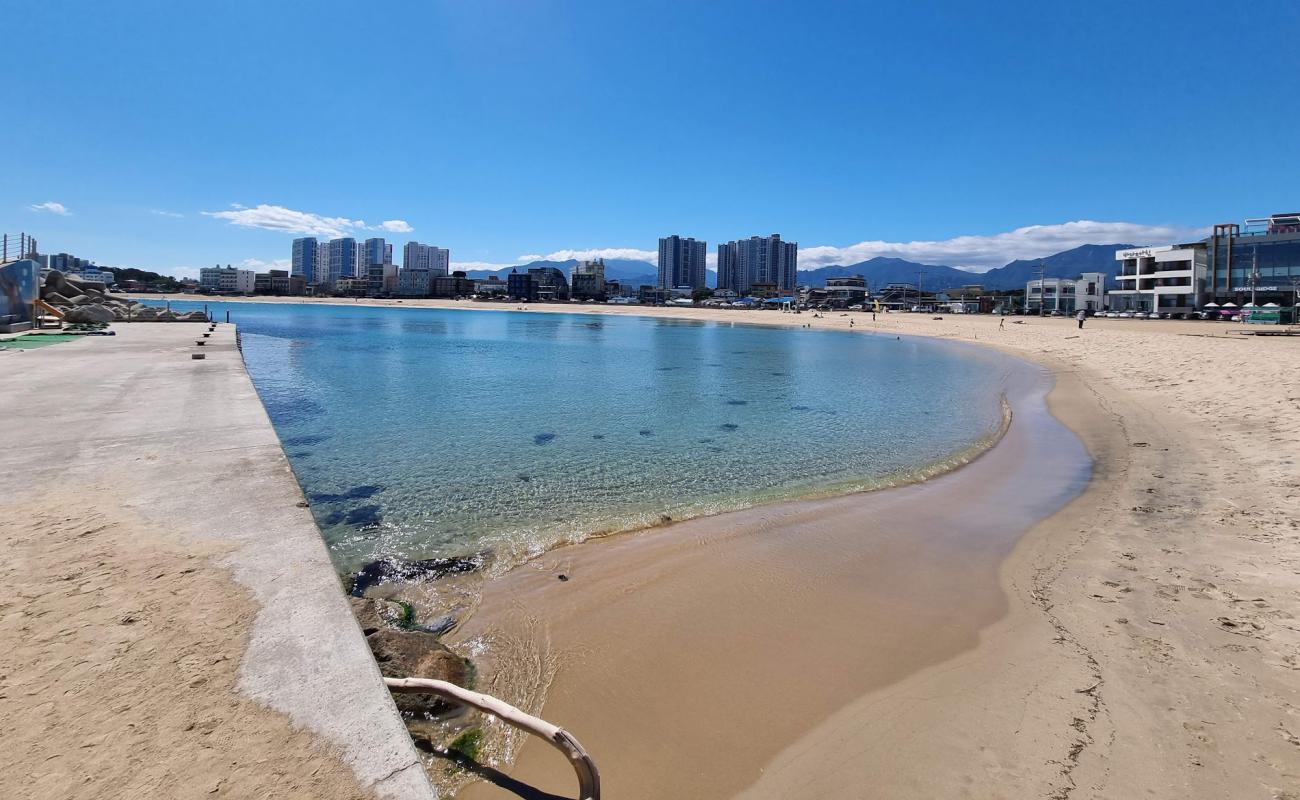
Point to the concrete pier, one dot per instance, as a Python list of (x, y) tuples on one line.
[(185, 447)]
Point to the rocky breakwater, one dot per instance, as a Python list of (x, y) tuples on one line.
[(80, 301), (405, 646)]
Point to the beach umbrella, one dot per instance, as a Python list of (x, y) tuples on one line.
[(1249, 305), (1271, 305), (1229, 305), (1211, 305)]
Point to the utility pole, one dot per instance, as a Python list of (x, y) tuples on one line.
[(1042, 298), (1254, 275)]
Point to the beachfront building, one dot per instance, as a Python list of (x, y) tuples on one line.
[(521, 286), (1087, 293), (304, 259), (456, 285), (227, 280), (1167, 279), (414, 283), (681, 262), (1257, 262), (588, 280), (280, 283), (436, 260), (846, 291), (337, 259), (491, 286), (378, 268), (551, 284), (758, 260)]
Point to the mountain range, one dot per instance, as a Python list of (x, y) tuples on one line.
[(881, 270)]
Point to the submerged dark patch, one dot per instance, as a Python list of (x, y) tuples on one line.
[(801, 408), (737, 402), (363, 516), (355, 493), (598, 436), (543, 438), (305, 440), (729, 426), (646, 432)]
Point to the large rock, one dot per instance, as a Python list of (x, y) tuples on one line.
[(89, 314), (412, 654), (55, 299), (389, 570)]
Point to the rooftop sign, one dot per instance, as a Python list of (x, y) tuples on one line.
[(1141, 252)]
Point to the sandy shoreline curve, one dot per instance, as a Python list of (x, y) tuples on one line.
[(1148, 643)]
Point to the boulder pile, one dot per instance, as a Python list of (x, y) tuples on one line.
[(85, 302)]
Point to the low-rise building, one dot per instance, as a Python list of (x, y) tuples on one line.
[(280, 282), (521, 286), (454, 285), (356, 286), (588, 280), (1066, 295), (227, 280), (1166, 279), (846, 291), (491, 286), (552, 286), (415, 283)]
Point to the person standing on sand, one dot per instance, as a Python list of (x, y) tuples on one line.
[(1002, 324), (1081, 316)]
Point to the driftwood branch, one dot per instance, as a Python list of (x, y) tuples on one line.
[(557, 737)]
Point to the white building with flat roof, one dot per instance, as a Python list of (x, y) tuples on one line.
[(1166, 279), (227, 279), (1067, 295)]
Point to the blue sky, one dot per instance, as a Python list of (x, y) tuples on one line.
[(176, 135)]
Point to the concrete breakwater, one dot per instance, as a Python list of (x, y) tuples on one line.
[(133, 455)]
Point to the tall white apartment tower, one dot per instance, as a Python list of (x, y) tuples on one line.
[(426, 256)]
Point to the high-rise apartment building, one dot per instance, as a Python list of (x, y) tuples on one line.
[(437, 260), (377, 265), (304, 259), (337, 259), (758, 259), (681, 262)]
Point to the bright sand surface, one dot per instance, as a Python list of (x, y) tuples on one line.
[(1140, 642), (171, 626)]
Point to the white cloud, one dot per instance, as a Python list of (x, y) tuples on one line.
[(627, 253), (287, 220), (159, 212), (262, 266), (51, 207), (980, 253)]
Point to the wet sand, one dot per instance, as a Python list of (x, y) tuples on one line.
[(690, 656)]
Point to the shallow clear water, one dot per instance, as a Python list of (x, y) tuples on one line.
[(430, 432)]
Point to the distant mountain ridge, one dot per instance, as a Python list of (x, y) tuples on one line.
[(883, 270)]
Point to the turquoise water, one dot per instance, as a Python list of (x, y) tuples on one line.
[(427, 432)]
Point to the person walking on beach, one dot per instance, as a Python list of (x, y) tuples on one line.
[(1002, 324), (1081, 316)]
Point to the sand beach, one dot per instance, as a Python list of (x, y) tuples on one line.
[(1142, 640)]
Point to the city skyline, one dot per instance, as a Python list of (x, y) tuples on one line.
[(952, 139)]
